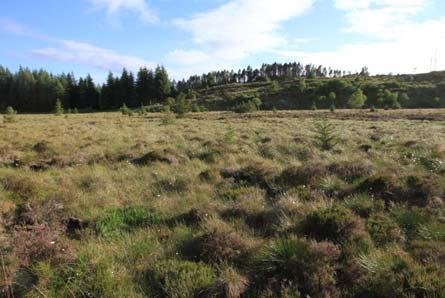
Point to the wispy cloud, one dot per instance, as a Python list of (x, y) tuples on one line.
[(11, 26), (90, 55), (237, 29), (113, 9), (75, 51)]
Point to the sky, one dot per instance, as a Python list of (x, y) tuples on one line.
[(196, 36)]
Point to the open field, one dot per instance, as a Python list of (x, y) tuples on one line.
[(223, 205)]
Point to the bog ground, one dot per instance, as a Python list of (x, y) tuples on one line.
[(268, 204)]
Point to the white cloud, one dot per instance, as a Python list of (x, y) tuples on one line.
[(400, 43), (379, 17), (114, 7), (237, 29), (90, 55)]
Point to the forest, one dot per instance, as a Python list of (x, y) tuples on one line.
[(284, 86)]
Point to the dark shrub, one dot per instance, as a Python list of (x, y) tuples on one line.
[(351, 170), (422, 188), (209, 175), (415, 190), (221, 247), (254, 175), (385, 187), (304, 175), (194, 216), (308, 265), (339, 225), (383, 229), (155, 156)]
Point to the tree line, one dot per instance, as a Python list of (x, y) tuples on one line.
[(267, 72), (38, 90), (290, 86)]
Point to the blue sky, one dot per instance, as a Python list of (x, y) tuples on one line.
[(196, 36)]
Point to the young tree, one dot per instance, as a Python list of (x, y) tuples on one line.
[(326, 137), (58, 108), (357, 99), (332, 97), (10, 114), (403, 99), (182, 105)]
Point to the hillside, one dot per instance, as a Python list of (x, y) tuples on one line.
[(409, 91)]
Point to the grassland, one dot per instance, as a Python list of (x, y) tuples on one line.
[(223, 205)]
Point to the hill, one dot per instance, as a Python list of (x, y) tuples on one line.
[(409, 91)]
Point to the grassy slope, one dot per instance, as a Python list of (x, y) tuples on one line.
[(92, 172)]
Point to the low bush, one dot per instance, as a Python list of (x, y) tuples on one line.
[(180, 279)]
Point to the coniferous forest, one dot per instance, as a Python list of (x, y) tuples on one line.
[(286, 86)]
